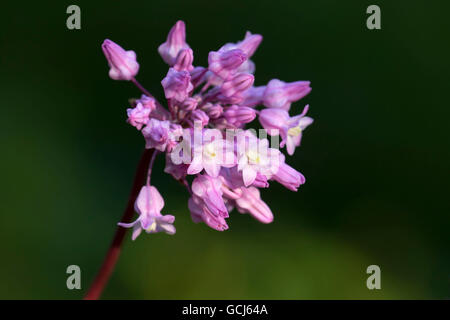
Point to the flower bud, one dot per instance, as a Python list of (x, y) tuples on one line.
[(213, 111), (123, 63), (250, 202), (177, 85), (184, 60), (238, 116), (224, 64), (250, 43), (199, 116), (237, 84), (176, 41), (189, 104)]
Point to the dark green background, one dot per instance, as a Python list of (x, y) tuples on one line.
[(376, 159)]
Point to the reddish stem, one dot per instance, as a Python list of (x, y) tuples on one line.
[(113, 253)]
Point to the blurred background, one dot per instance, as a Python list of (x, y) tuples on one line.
[(376, 159)]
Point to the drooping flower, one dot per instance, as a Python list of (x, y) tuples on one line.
[(148, 205), (250, 202), (201, 213), (209, 189), (288, 176), (123, 64), (278, 121)]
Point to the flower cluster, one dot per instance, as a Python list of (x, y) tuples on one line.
[(202, 130)]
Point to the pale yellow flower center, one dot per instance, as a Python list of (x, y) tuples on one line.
[(209, 150), (152, 227), (253, 156), (295, 131)]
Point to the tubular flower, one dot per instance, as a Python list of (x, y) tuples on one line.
[(202, 129)]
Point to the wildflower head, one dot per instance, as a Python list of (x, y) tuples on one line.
[(203, 129)]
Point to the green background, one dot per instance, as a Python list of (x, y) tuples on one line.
[(376, 159)]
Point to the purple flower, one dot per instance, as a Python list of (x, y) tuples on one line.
[(184, 60), (253, 96), (232, 179), (147, 102), (189, 104), (249, 45), (198, 75), (213, 111), (211, 153), (148, 205), (199, 116), (177, 171), (289, 177), (254, 156), (233, 89), (239, 116), (278, 121), (209, 189), (177, 85), (176, 41), (123, 63), (200, 212), (138, 116), (279, 94), (161, 135), (225, 63), (250, 202)]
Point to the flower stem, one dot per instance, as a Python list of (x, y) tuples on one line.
[(150, 166), (145, 91), (140, 87), (113, 253)]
